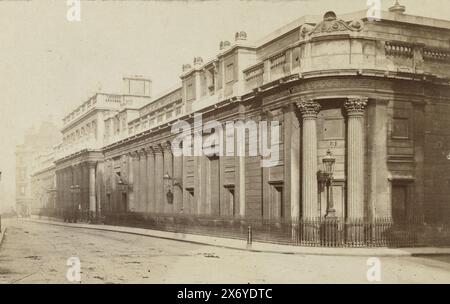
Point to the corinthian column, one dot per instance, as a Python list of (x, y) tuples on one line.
[(92, 183), (150, 180), (143, 181), (136, 181), (159, 181), (309, 109), (355, 167)]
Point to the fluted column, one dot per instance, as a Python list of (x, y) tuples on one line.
[(168, 168), (159, 182), (143, 181), (355, 168), (178, 187), (309, 109), (92, 198), (150, 180), (133, 198)]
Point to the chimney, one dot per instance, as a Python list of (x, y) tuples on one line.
[(137, 85), (186, 67), (397, 8), (198, 61), (240, 36), (224, 45)]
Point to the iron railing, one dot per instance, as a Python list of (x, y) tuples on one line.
[(334, 232), (315, 232)]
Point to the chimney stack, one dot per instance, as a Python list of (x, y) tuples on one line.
[(224, 45), (240, 36), (186, 67), (198, 61), (397, 8)]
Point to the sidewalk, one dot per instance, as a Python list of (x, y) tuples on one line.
[(2, 234), (257, 246), (3, 229)]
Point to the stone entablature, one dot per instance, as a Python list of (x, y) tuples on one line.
[(350, 43)]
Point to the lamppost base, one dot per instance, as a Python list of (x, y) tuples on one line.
[(331, 214)]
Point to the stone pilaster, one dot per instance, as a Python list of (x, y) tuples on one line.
[(132, 172), (309, 110), (143, 181), (355, 108), (150, 179), (159, 181), (178, 186)]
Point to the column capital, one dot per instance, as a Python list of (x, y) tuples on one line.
[(149, 151), (355, 106), (134, 154), (157, 149), (308, 107), (167, 146), (142, 153), (91, 164)]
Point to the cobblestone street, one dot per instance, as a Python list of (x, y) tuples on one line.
[(38, 253)]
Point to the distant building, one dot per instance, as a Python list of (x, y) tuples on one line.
[(36, 141), (43, 182)]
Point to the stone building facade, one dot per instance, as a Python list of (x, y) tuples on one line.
[(375, 94), (79, 158)]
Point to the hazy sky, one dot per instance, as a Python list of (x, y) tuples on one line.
[(49, 65)]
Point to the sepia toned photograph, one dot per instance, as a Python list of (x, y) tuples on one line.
[(204, 143)]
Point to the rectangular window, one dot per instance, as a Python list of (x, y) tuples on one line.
[(229, 73), (399, 202), (276, 207), (400, 128), (189, 92), (232, 202)]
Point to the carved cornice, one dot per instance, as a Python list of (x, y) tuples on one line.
[(309, 108), (356, 105), (331, 24)]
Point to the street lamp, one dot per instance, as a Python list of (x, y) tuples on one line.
[(326, 179), (168, 183), (123, 186)]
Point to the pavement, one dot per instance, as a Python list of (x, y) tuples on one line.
[(2, 234), (3, 229), (257, 246), (35, 252)]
